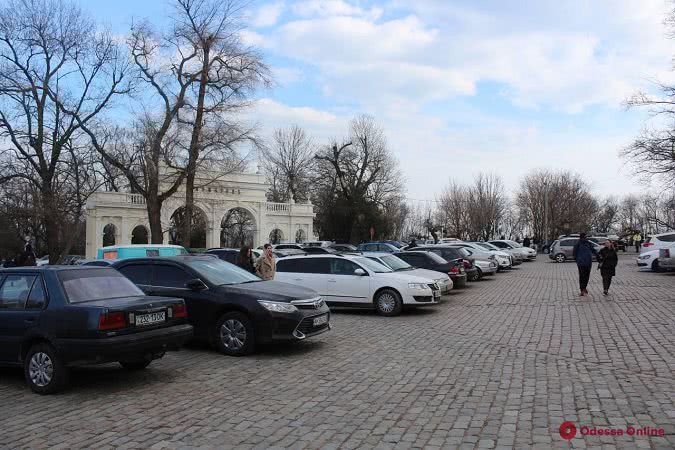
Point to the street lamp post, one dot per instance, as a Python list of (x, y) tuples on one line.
[(545, 212)]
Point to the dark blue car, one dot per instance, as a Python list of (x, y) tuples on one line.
[(53, 317)]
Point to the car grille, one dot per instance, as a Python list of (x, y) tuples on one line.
[(306, 325), (309, 304), (422, 298)]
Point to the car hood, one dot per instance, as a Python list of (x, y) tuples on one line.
[(430, 274), (404, 277), (276, 291)]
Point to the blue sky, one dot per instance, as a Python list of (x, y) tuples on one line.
[(459, 86)]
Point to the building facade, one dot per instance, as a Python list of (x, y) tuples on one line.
[(226, 207)]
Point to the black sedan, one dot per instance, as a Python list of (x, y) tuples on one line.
[(432, 261), (229, 307), (53, 317), (455, 255)]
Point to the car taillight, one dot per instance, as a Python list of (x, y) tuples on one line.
[(647, 244), (454, 270), (466, 263), (179, 310), (111, 321)]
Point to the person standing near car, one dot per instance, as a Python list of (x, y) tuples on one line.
[(637, 240), (526, 242), (608, 261), (583, 255), (266, 266), (245, 259)]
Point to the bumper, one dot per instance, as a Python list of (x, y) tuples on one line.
[(279, 327), (147, 344), (422, 298), (458, 280)]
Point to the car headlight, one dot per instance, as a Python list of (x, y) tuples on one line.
[(420, 286), (644, 257), (279, 307)]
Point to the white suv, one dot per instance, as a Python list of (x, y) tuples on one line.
[(658, 241), (356, 281)]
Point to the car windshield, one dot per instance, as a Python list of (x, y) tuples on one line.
[(488, 245), (396, 264), (219, 272), (96, 284), (514, 244), (372, 265)]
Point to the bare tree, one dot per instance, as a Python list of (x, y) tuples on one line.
[(485, 206), (607, 215), (288, 162), (453, 210), (58, 73)]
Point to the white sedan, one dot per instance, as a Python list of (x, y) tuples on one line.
[(399, 266), (648, 261)]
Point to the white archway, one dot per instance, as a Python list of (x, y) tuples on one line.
[(238, 228)]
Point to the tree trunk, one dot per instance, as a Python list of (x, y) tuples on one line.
[(194, 151), (155, 220), (51, 225)]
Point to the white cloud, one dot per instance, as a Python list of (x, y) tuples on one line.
[(267, 15), (332, 8)]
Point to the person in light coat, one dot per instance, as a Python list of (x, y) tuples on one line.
[(266, 266)]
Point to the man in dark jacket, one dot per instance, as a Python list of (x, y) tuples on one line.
[(608, 261), (583, 255)]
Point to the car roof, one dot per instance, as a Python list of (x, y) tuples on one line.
[(179, 258), (50, 268), (377, 254), (320, 255), (113, 247)]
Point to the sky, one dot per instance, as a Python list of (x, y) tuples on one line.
[(460, 87)]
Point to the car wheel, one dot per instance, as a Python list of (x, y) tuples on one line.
[(655, 266), (479, 274), (44, 371), (234, 334), (135, 365), (388, 303), (560, 257)]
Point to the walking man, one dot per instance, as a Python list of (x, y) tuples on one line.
[(266, 266), (608, 261), (583, 255)]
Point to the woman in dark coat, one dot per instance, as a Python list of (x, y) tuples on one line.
[(245, 260), (608, 261)]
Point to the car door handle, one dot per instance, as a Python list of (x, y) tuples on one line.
[(332, 281), (297, 279)]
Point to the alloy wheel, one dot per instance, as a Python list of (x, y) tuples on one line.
[(41, 369), (560, 258), (386, 302), (233, 334)]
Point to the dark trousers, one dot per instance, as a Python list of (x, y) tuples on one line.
[(584, 275), (606, 281)]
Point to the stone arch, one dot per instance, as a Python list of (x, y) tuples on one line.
[(197, 231), (300, 236), (109, 235), (139, 235), (276, 236), (237, 228)]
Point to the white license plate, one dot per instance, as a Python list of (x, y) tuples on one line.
[(320, 320), (149, 319)]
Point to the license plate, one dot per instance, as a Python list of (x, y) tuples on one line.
[(320, 320), (149, 319)]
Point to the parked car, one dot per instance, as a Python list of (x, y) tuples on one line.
[(42, 261), (377, 247), (287, 246), (422, 259), (451, 254), (485, 262), (317, 243), (667, 258), (503, 259), (230, 308), (344, 248), (356, 281), (659, 241), (529, 254), (139, 251), (54, 316), (226, 254), (516, 257), (648, 261), (563, 249), (98, 262), (319, 250), (71, 260), (398, 265)]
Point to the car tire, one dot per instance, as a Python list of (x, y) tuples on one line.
[(135, 365), (655, 266), (560, 258), (479, 274), (234, 334), (43, 369), (388, 303)]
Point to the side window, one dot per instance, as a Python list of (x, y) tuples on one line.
[(568, 242), (414, 260), (314, 265), (371, 247), (288, 265), (138, 273), (171, 276), (14, 291), (342, 267), (37, 298)]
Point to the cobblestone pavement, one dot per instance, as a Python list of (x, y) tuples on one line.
[(500, 364)]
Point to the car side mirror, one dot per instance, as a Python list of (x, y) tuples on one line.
[(360, 272), (195, 285)]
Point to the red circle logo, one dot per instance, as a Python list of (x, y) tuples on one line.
[(568, 430)]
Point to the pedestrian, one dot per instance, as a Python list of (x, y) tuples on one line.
[(583, 254), (245, 259), (608, 261), (526, 242), (637, 240), (266, 266), (413, 244)]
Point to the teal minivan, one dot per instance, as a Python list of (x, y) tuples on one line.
[(139, 251)]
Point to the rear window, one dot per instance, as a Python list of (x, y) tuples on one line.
[(667, 238), (96, 284)]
